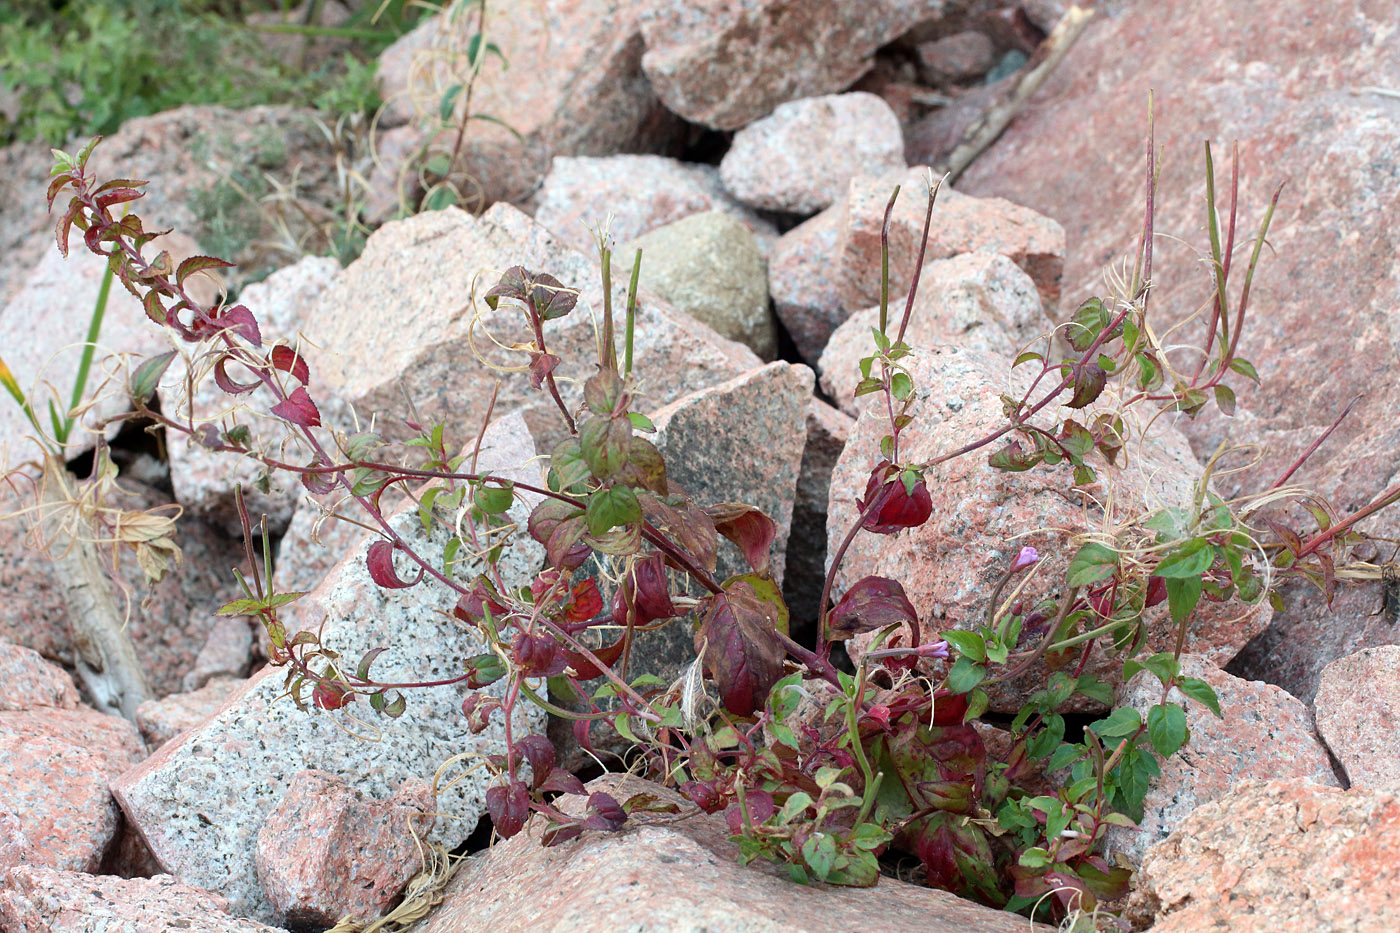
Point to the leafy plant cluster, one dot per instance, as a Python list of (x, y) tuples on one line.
[(823, 768), (85, 68)]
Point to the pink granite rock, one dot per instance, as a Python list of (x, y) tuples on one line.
[(961, 56), (204, 479), (1265, 735), (169, 624), (664, 874), (227, 652), (201, 799), (976, 301), (827, 431), (1295, 83), (1286, 855), (24, 177), (416, 337), (568, 82), (708, 265), (982, 517), (31, 682), (1357, 706), (741, 441), (805, 282), (800, 158), (633, 194), (725, 64), (55, 765), (41, 900), (326, 852), (162, 720), (961, 224)]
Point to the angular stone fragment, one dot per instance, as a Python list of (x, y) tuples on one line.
[(204, 479), (41, 900), (227, 652), (708, 266), (800, 158), (827, 431), (31, 682), (1285, 855), (55, 765), (632, 195), (805, 282), (201, 801), (725, 65), (664, 874), (960, 224), (326, 853), (741, 441), (982, 517), (976, 301), (959, 57), (162, 720), (568, 81), (402, 319), (1357, 707), (1265, 735)]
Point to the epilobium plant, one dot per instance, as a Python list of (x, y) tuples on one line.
[(815, 767)]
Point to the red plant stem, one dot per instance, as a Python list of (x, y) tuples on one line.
[(537, 323), (1314, 446)]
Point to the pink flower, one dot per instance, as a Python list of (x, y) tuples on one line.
[(1026, 558)]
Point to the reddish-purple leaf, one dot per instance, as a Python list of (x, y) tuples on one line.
[(329, 694), (509, 807), (704, 794), (58, 183), (747, 527), (380, 562), (687, 525), (552, 298), (538, 655), (558, 526), (605, 813), (298, 409), (116, 196), (318, 484), (647, 590), (241, 321), (290, 361), (539, 752), (225, 382), (895, 506), (541, 365), (741, 648), (585, 669), (477, 709), (514, 283), (65, 224), (760, 806), (480, 599), (870, 605), (1089, 382), (560, 781), (645, 467), (198, 264)]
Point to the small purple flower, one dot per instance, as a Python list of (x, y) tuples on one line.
[(937, 649), (1024, 559)]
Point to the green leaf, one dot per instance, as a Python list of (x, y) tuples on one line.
[(1092, 563), (901, 385), (1182, 596), (794, 807), (1245, 368), (612, 507), (1189, 560), (965, 675), (1166, 728), (1027, 357), (970, 645), (1225, 398), (146, 377), (1122, 722), (640, 421), (819, 852), (448, 104), (493, 499), (1201, 692)]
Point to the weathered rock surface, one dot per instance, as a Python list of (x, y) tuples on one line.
[(663, 874), (201, 801), (1357, 707), (708, 265), (800, 158), (326, 853), (827, 431), (981, 516), (417, 338), (1265, 734), (806, 284), (1294, 88), (32, 683), (168, 624), (24, 177), (976, 301), (634, 194), (960, 224), (568, 82), (961, 56), (42, 900), (162, 720), (726, 65), (227, 652), (741, 441), (54, 768), (1286, 855), (204, 479)]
